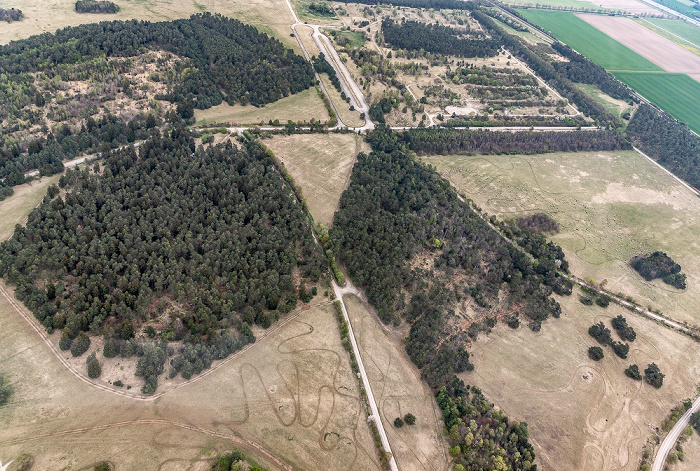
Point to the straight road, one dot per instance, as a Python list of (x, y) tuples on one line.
[(365, 380)]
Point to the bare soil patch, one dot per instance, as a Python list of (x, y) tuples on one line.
[(665, 53), (584, 414), (321, 165), (398, 389)]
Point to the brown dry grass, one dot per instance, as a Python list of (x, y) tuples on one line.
[(14, 210), (302, 106), (584, 414), (398, 389), (611, 206), (663, 52), (321, 165)]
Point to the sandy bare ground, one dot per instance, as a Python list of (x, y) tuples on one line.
[(632, 6), (666, 54), (695, 76)]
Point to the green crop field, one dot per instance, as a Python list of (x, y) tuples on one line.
[(680, 7), (679, 28), (676, 93), (589, 41)]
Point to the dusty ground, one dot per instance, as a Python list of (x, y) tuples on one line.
[(270, 16), (665, 53), (584, 414), (302, 106), (691, 448), (398, 389), (321, 165), (611, 206)]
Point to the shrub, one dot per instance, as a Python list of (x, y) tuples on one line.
[(398, 422), (600, 333), (620, 349), (118, 383), (5, 390), (456, 450), (80, 345), (410, 419), (633, 372), (625, 332), (654, 376), (587, 300), (603, 300), (596, 353), (104, 466)]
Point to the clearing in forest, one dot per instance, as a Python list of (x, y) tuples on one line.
[(584, 414), (398, 389), (321, 166), (610, 207)]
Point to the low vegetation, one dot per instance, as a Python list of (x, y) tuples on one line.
[(659, 265), (653, 375), (5, 390), (235, 461), (96, 6), (225, 247), (596, 353), (481, 436)]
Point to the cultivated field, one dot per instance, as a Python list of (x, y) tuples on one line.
[(611, 206), (576, 4), (680, 28), (321, 165), (270, 16), (666, 54), (584, 414), (633, 6), (302, 106), (679, 94), (600, 48), (398, 389)]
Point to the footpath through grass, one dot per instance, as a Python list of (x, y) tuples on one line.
[(678, 94)]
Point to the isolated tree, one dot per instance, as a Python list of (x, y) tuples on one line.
[(93, 366), (654, 376), (596, 353), (620, 349), (410, 419), (633, 372), (398, 422)]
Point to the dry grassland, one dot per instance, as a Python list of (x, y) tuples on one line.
[(321, 165), (342, 107), (269, 16), (302, 106), (14, 210), (661, 51), (398, 389), (691, 448), (611, 206), (584, 414)]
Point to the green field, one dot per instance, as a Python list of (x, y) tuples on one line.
[(577, 4), (676, 93), (586, 39), (680, 28), (680, 7)]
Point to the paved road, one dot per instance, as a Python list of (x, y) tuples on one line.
[(670, 440), (365, 380)]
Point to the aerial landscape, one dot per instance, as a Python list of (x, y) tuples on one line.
[(453, 235)]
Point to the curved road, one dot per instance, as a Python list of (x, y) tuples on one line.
[(670, 440)]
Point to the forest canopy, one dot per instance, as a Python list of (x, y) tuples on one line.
[(96, 6), (215, 235)]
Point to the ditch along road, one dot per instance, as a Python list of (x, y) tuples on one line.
[(670, 440)]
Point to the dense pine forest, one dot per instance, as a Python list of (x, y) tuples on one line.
[(412, 35), (71, 77), (214, 238), (96, 6), (442, 141), (667, 141), (402, 229)]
